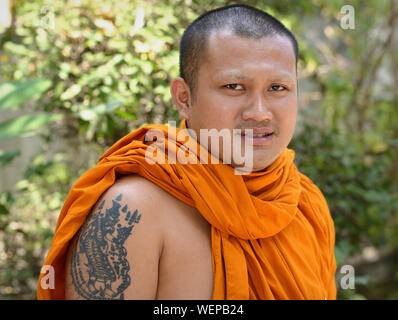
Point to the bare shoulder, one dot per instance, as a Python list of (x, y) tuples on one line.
[(137, 243), (139, 187), (115, 254)]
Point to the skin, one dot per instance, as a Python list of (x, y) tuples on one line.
[(244, 84), (168, 249)]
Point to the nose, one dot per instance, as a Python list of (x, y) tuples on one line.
[(258, 110)]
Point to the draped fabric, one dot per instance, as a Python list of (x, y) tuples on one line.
[(272, 233)]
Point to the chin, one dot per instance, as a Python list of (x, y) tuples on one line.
[(257, 166), (262, 162)]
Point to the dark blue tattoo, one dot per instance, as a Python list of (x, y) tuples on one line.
[(99, 266)]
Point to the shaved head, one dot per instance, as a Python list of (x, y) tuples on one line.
[(240, 20)]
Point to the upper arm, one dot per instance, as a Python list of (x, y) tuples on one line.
[(116, 253)]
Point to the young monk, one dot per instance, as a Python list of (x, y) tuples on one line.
[(132, 228)]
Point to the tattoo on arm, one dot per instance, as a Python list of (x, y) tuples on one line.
[(99, 267)]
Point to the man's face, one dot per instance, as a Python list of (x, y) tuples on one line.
[(247, 84)]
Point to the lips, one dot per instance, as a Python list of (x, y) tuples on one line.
[(258, 137), (257, 132)]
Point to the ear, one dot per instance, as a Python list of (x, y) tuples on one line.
[(182, 96)]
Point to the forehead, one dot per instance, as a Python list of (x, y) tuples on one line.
[(227, 53)]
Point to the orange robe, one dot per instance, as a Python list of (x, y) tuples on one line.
[(272, 233)]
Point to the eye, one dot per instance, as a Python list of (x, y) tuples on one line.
[(234, 86), (277, 87)]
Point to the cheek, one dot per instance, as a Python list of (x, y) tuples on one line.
[(214, 113), (286, 120), (290, 117)]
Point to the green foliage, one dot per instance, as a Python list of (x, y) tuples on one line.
[(12, 95), (25, 125), (27, 223), (7, 156), (104, 68), (15, 93), (357, 184)]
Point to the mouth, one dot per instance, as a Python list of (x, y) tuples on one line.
[(258, 136)]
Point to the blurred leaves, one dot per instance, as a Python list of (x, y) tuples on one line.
[(97, 111), (25, 125), (7, 156), (15, 93)]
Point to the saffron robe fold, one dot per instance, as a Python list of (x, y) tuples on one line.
[(272, 233)]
